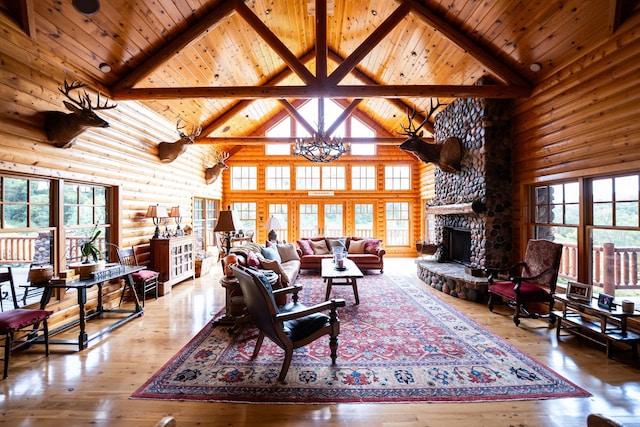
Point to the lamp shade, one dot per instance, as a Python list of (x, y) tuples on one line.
[(157, 211), (175, 212), (227, 221), (272, 223)]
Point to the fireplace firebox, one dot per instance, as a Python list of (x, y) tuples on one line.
[(458, 244)]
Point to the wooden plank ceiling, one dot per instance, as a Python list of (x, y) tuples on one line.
[(236, 67)]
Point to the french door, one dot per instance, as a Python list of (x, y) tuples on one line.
[(321, 219)]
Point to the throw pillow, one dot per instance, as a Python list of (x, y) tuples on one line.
[(371, 246), (356, 246), (305, 247), (287, 252), (271, 253), (252, 259), (268, 243), (275, 266), (319, 247)]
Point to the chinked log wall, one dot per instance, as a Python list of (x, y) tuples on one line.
[(124, 155)]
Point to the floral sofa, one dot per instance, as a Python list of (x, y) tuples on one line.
[(366, 253)]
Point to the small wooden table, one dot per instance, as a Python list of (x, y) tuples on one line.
[(347, 277), (606, 326)]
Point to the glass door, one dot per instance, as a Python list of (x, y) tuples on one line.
[(321, 219)]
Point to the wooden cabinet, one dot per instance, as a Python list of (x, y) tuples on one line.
[(174, 259)]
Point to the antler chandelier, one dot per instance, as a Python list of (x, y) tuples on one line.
[(321, 148)]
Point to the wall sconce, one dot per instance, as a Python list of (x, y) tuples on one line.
[(271, 224), (157, 212), (176, 214), (227, 222)]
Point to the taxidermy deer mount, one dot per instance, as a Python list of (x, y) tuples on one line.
[(63, 128), (169, 151), (216, 158), (446, 156)]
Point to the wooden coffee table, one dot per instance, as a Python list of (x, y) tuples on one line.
[(346, 277)]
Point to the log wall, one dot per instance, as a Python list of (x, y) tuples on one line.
[(581, 121)]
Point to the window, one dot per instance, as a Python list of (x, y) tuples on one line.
[(278, 178), (608, 218), (283, 130), (556, 210), (246, 212), (307, 177), (364, 220), (397, 178), (397, 217), (363, 178), (333, 178), (281, 211), (615, 234), (205, 217), (360, 130), (85, 208), (244, 178)]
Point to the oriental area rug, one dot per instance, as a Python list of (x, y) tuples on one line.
[(400, 344)]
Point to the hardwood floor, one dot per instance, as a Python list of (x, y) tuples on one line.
[(92, 387)]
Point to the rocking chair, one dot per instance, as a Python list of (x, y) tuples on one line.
[(531, 281), (291, 326)]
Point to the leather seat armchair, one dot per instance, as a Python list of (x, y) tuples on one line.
[(291, 326)]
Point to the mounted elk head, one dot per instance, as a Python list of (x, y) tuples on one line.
[(63, 128), (446, 156), (169, 151), (212, 173)]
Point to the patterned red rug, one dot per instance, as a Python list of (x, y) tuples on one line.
[(401, 344)]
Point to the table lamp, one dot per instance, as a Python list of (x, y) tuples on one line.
[(227, 222), (157, 212), (176, 214), (272, 224)]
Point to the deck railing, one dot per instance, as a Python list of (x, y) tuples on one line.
[(16, 250)]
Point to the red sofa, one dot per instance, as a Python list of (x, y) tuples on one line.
[(369, 259)]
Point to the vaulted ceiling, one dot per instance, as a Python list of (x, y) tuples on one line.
[(236, 67)]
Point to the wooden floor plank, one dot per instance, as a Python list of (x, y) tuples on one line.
[(92, 387)]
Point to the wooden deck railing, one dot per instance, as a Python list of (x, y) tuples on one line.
[(21, 250)]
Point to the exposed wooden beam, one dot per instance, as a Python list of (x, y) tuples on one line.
[(321, 41), (365, 47), (27, 17), (343, 116), (260, 140), (297, 116), (275, 43), (308, 92), (619, 10), (496, 66), (186, 38)]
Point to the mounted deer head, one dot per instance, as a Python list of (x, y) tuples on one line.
[(63, 128), (169, 151), (212, 173), (446, 156)]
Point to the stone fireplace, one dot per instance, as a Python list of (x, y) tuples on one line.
[(472, 206)]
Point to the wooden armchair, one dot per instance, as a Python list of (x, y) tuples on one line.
[(531, 281), (291, 326)]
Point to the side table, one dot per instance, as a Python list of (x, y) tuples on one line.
[(235, 314)]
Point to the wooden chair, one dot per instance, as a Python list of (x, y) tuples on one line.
[(144, 280), (27, 323), (531, 281), (291, 326), (7, 277)]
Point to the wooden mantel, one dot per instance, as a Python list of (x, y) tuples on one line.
[(457, 208)]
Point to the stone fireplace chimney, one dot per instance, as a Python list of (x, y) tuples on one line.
[(478, 197)]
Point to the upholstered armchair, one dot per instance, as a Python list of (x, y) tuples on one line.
[(532, 281), (291, 326)]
